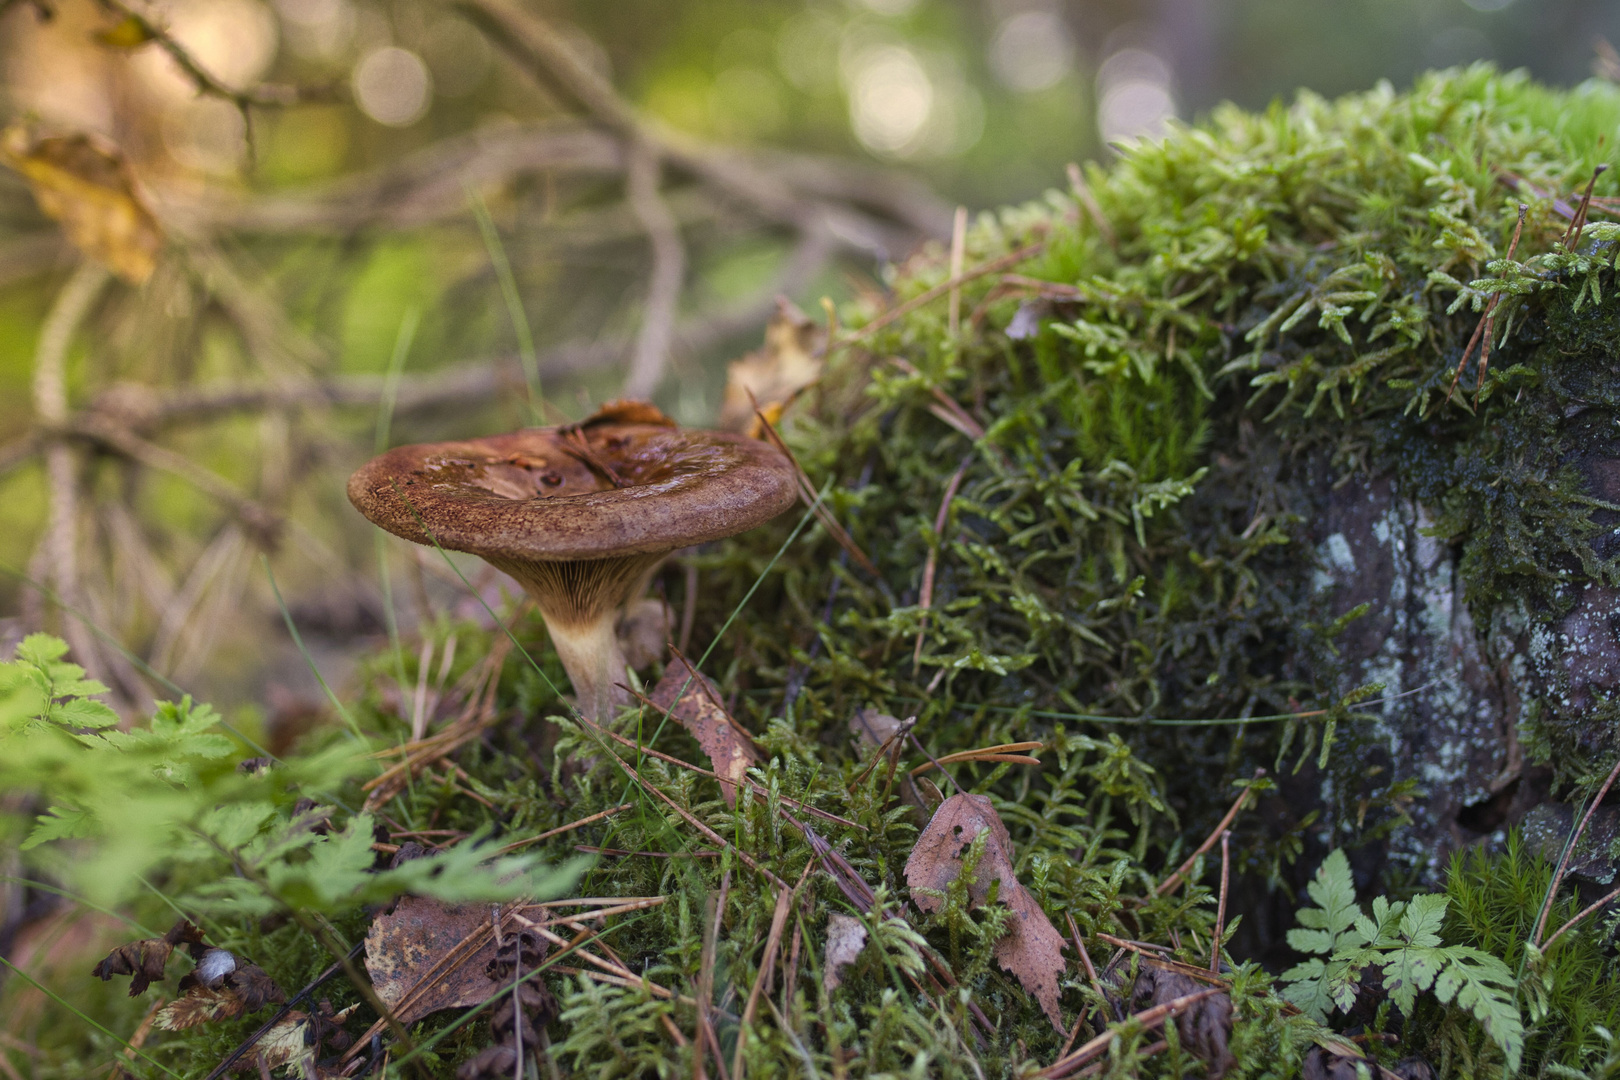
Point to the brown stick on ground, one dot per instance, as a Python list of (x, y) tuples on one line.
[(1220, 911), (1169, 883), (1148, 1018)]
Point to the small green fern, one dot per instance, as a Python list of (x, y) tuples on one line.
[(1402, 940)]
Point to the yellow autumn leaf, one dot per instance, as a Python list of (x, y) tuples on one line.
[(85, 183), (128, 33), (774, 374)]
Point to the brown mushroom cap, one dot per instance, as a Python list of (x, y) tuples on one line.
[(538, 495)]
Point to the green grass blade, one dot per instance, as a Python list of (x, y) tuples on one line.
[(514, 304)]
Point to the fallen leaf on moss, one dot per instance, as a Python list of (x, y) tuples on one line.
[(643, 630), (787, 364), (243, 989), (427, 955), (85, 183), (873, 728), (1032, 949), (145, 960), (728, 746), (300, 1036), (1205, 1028), (846, 937)]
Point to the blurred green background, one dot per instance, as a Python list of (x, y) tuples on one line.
[(302, 240)]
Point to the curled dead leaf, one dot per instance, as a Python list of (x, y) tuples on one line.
[(299, 1037), (427, 955), (787, 363), (1205, 1028), (643, 630), (84, 182), (729, 747), (873, 728), (846, 937), (244, 988), (1032, 949), (145, 960)]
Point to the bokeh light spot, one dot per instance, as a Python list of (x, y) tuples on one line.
[(1031, 51), (392, 86), (890, 99)]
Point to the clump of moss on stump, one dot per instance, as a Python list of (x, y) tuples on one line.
[(1217, 421)]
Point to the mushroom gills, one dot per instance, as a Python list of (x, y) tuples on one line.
[(580, 602)]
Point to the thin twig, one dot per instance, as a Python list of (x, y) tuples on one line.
[(1485, 329), (1220, 910), (1083, 195), (559, 830), (773, 942), (1169, 883), (1001, 262), (1147, 1018), (958, 246), (930, 566), (1583, 913), (651, 356), (201, 78), (59, 543), (807, 493), (1569, 849)]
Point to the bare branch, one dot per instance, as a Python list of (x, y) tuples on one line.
[(651, 357), (206, 83), (59, 545)]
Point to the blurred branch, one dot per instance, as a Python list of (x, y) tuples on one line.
[(256, 518), (539, 49), (42, 10), (872, 205), (651, 356), (59, 546), (150, 26)]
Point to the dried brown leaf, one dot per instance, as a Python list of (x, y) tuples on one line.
[(627, 411), (1032, 949), (85, 183), (224, 990), (1205, 1028), (846, 937), (299, 1037), (200, 1005), (643, 631), (699, 710), (873, 728), (419, 961), (787, 363), (145, 960)]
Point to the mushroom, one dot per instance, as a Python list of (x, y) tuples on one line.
[(580, 515)]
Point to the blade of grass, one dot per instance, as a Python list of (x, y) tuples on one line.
[(298, 640), (48, 992), (385, 421), (82, 902), (514, 304)]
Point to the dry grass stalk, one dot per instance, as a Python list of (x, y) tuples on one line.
[(931, 565), (1175, 879)]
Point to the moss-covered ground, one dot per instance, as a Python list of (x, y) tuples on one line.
[(1142, 412)]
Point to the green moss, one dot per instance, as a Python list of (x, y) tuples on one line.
[(1277, 319)]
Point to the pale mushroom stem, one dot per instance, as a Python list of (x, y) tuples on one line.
[(580, 602), (591, 655)]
